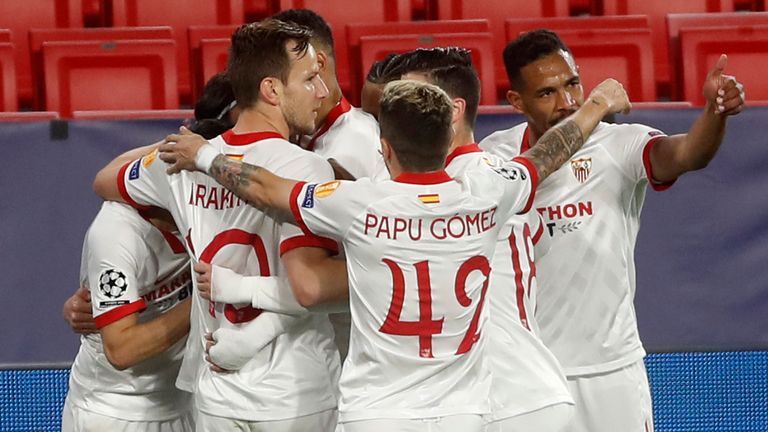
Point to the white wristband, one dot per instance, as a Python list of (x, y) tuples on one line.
[(205, 156)]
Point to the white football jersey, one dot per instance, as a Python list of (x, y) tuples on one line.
[(591, 206), (295, 375), (419, 251), (526, 375), (351, 136), (130, 267)]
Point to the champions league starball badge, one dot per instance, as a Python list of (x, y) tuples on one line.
[(112, 283)]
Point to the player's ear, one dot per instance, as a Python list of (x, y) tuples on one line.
[(322, 59), (515, 100), (386, 150), (459, 108), (271, 90)]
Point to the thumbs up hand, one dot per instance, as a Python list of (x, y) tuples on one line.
[(723, 93)]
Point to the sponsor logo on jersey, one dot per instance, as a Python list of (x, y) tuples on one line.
[(326, 189), (112, 303), (113, 283), (133, 174), (309, 197), (148, 159), (429, 198), (581, 168)]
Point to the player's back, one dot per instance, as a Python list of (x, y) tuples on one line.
[(222, 229), (526, 375), (130, 267)]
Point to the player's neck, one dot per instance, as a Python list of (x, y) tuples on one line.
[(333, 99), (463, 136), (261, 119)]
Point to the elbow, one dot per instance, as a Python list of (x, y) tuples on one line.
[(119, 358), (100, 184), (306, 294)]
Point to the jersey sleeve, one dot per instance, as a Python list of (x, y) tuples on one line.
[(144, 182), (358, 152), (113, 272), (517, 179), (632, 151), (327, 209)]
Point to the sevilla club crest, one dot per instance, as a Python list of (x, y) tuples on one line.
[(581, 168)]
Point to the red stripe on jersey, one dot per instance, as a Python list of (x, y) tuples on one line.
[(176, 245), (118, 313), (424, 178), (520, 291), (534, 180), (124, 190), (539, 232), (295, 192), (526, 144), (462, 150), (658, 187), (309, 241), (234, 139), (333, 115)]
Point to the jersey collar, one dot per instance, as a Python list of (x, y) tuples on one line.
[(234, 139), (333, 115), (428, 178), (526, 144), (462, 150)]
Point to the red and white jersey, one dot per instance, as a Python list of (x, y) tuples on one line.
[(419, 251), (351, 136), (130, 267), (591, 206), (296, 375), (526, 375)]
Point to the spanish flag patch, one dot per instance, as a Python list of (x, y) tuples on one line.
[(430, 198)]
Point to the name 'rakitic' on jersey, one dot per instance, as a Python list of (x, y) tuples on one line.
[(439, 228), (213, 197)]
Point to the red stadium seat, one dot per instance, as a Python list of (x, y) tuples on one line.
[(375, 48), (39, 36), (122, 75), (412, 28), (134, 115), (747, 49), (339, 13), (256, 10), (28, 116), (196, 35), (626, 55), (7, 78), (5, 36), (179, 14), (676, 22), (497, 11), (516, 26), (656, 11), (20, 16), (214, 54)]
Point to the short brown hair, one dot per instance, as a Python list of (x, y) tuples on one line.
[(258, 51), (415, 119)]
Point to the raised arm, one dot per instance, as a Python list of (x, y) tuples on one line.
[(254, 184), (674, 155), (560, 142)]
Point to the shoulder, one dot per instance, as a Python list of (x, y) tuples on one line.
[(357, 124), (625, 131), (505, 137), (117, 225)]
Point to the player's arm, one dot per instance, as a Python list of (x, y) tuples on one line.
[(77, 312), (560, 142), (254, 184), (674, 155), (107, 179), (315, 277), (271, 293), (128, 342)]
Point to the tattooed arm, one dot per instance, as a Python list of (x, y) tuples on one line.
[(560, 142)]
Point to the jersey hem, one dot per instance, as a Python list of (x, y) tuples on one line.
[(657, 186), (121, 187), (573, 372), (109, 411), (309, 241), (529, 407), (252, 415), (360, 415), (121, 312)]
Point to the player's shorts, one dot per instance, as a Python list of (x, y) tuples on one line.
[(75, 419), (553, 418), (619, 400), (324, 421), (456, 423)]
